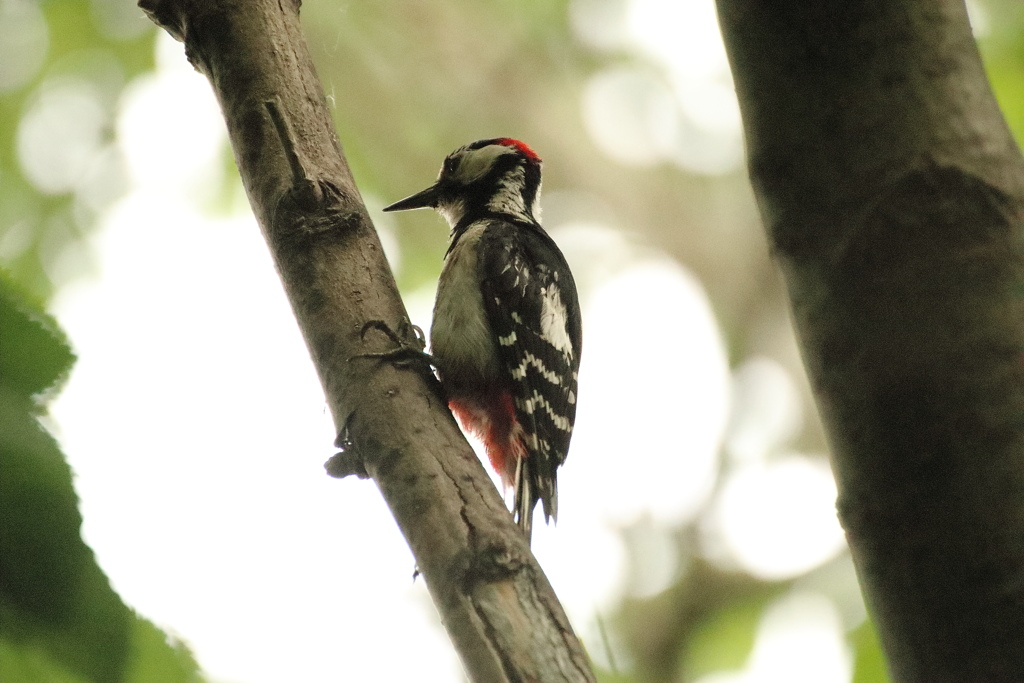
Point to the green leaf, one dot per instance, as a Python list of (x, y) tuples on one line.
[(156, 658), (34, 353), (20, 663), (53, 595), (60, 620)]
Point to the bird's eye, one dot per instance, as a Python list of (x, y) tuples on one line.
[(450, 164)]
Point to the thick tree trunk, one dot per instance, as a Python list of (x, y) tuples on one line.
[(498, 607), (892, 193)]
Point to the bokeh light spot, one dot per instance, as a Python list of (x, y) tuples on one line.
[(766, 410), (778, 519), (653, 395), (626, 110), (60, 134)]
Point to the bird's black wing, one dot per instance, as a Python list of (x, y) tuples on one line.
[(532, 307)]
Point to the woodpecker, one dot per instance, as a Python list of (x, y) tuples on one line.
[(506, 335)]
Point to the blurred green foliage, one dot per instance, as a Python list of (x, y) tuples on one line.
[(404, 82), (868, 662), (36, 227), (1002, 49), (60, 620), (59, 617), (724, 640)]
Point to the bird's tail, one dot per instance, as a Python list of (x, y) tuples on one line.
[(532, 487), (525, 497)]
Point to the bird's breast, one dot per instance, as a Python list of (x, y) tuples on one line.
[(460, 336)]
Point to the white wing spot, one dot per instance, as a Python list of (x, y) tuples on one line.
[(526, 406), (520, 372), (554, 322), (560, 421), (549, 375), (530, 359)]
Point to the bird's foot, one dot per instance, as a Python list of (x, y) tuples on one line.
[(406, 353)]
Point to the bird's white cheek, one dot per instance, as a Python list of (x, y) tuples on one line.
[(452, 211), (475, 165)]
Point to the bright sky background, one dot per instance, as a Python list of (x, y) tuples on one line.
[(197, 429)]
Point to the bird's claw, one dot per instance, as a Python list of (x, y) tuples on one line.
[(405, 352)]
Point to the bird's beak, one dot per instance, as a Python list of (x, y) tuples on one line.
[(421, 200)]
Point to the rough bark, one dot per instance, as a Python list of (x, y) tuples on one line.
[(495, 601), (892, 193)]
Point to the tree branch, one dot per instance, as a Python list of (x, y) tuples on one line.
[(498, 607), (892, 192)]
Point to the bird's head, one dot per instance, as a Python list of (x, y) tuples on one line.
[(496, 176)]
